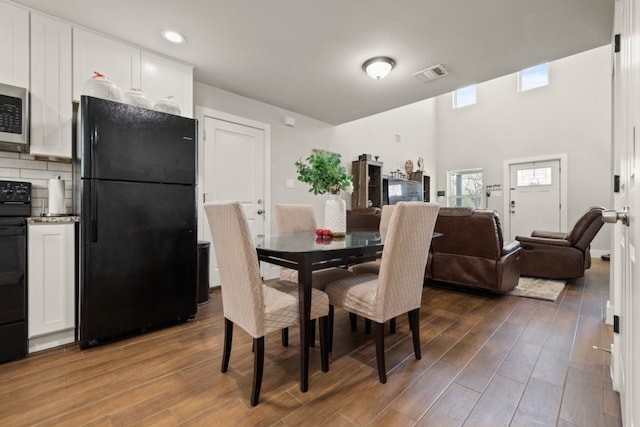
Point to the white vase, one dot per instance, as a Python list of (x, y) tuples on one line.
[(335, 215)]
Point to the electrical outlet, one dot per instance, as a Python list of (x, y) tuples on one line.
[(289, 183)]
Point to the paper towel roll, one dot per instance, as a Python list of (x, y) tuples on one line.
[(56, 196)]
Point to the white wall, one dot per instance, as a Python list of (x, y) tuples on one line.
[(373, 135), (571, 115), (288, 144), (376, 135)]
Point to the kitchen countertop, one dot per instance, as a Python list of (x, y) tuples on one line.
[(53, 219)]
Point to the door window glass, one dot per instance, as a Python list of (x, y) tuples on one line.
[(534, 176)]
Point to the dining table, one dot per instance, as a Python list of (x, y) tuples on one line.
[(306, 252)]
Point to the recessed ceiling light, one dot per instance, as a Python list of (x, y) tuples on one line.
[(173, 36)]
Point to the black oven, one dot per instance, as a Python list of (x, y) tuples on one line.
[(15, 206)]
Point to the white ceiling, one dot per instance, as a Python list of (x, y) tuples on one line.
[(305, 56)]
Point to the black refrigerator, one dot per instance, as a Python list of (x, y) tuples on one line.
[(135, 177)]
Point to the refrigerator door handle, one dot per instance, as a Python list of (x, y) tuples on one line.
[(94, 148), (93, 221)]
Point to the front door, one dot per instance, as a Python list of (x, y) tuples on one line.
[(534, 202), (234, 168)]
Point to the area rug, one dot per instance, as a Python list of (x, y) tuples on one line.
[(533, 287)]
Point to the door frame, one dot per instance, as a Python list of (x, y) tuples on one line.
[(201, 113), (506, 178)]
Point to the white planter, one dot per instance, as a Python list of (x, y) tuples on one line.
[(335, 215)]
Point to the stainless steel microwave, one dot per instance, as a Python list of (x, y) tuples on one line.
[(14, 118)]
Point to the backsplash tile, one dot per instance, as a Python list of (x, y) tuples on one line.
[(24, 167)]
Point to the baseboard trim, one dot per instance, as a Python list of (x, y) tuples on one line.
[(597, 253)]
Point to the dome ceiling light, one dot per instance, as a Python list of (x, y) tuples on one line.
[(378, 67)]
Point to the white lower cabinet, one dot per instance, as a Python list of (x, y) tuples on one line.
[(51, 285)]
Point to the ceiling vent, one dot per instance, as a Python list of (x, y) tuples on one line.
[(431, 73)]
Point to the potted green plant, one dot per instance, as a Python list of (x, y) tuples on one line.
[(324, 172)]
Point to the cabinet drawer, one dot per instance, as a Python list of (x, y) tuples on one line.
[(12, 298), (14, 341)]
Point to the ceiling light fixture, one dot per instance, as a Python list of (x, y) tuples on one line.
[(378, 67), (173, 36)]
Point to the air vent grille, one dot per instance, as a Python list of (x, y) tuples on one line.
[(431, 73)]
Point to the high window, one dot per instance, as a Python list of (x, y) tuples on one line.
[(534, 77), (465, 188), (464, 96)]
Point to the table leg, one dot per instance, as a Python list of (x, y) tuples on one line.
[(304, 296)]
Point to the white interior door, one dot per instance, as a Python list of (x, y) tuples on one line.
[(626, 295), (534, 202), (234, 168), (632, 315)]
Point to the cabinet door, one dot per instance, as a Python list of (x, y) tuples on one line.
[(14, 39), (51, 278), (118, 61), (162, 77), (51, 109), (367, 184)]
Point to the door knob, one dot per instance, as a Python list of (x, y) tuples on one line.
[(611, 216), (260, 211)]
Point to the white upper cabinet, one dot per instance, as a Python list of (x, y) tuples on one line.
[(129, 67), (118, 61), (162, 77), (14, 41), (51, 109)]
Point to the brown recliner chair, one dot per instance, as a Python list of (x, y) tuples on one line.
[(472, 252), (363, 219), (558, 255)]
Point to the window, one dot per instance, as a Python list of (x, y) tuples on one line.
[(534, 176), (464, 96), (534, 77), (465, 188)]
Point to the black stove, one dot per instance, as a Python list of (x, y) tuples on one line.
[(15, 206), (15, 198)]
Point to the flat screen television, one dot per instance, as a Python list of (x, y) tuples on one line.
[(400, 190)]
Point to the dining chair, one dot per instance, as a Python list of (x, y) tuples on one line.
[(257, 308), (373, 267), (297, 218), (397, 289)]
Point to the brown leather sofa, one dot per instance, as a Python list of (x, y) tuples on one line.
[(471, 251), (363, 219), (558, 255)]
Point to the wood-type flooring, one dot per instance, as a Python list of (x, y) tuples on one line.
[(487, 360)]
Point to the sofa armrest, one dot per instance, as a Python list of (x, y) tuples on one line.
[(549, 234), (542, 241), (510, 247)]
